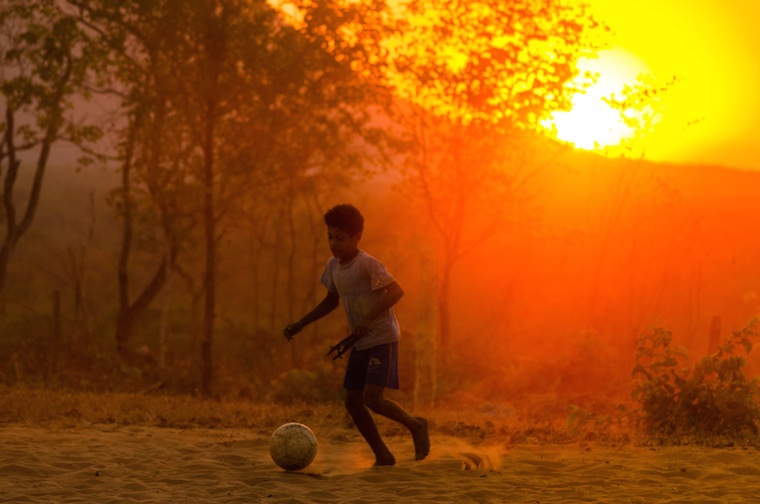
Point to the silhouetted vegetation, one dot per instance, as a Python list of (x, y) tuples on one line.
[(47, 64), (713, 400)]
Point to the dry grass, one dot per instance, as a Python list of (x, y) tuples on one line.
[(475, 422), (46, 407)]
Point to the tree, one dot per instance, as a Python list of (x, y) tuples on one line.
[(241, 101), (472, 77), (47, 62), (235, 84), (136, 39), (314, 127), (177, 64)]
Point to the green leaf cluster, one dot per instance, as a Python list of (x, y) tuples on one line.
[(714, 399)]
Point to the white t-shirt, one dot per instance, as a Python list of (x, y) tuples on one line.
[(360, 284)]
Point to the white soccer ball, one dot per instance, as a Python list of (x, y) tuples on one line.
[(293, 446)]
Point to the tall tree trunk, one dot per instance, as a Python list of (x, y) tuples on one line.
[(209, 279), (211, 69), (165, 311), (55, 343), (129, 311), (427, 337), (291, 297), (124, 318), (444, 315), (14, 228), (274, 291)]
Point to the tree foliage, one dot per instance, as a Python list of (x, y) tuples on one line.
[(472, 77), (46, 65), (232, 115), (490, 61), (229, 109)]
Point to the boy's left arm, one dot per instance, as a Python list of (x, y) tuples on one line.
[(393, 293)]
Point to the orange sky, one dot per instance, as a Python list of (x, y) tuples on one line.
[(714, 46)]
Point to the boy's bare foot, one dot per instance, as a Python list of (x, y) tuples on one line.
[(386, 460), (421, 439)]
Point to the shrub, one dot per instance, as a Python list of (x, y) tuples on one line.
[(715, 399)]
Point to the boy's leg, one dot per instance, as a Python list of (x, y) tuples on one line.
[(375, 400), (367, 427)]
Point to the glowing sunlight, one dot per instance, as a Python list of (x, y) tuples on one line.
[(592, 123)]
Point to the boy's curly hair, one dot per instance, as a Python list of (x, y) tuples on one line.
[(346, 218)]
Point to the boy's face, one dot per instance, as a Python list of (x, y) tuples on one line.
[(343, 245)]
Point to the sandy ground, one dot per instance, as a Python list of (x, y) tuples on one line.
[(107, 464)]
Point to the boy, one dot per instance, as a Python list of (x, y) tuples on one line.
[(367, 292)]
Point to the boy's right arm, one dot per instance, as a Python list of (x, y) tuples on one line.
[(328, 304)]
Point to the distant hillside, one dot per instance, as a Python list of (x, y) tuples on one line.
[(639, 241)]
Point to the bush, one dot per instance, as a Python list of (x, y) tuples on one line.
[(714, 400)]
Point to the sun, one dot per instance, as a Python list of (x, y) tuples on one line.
[(591, 123)]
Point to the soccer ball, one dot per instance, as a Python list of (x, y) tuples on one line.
[(293, 446)]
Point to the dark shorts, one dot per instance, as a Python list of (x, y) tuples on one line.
[(377, 365)]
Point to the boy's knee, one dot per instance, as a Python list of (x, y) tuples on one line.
[(354, 401), (373, 400)]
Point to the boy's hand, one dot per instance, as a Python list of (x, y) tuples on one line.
[(343, 346), (292, 329)]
